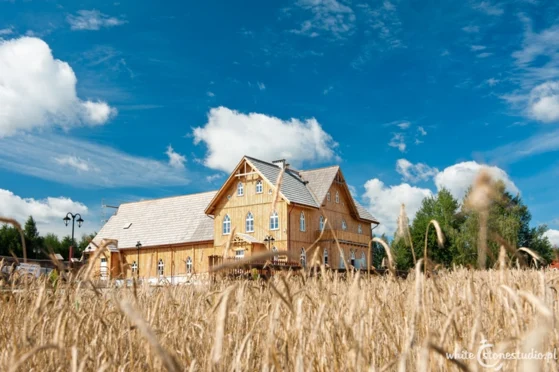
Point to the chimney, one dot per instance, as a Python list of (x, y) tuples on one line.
[(281, 163)]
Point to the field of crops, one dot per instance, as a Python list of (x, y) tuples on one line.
[(297, 323)]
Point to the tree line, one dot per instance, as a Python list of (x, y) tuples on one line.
[(508, 223), (38, 246)]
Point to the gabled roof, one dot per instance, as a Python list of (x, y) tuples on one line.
[(173, 220), (293, 187), (320, 180)]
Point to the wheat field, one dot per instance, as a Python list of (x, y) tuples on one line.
[(291, 323)]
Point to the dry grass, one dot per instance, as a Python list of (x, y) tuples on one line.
[(294, 323)]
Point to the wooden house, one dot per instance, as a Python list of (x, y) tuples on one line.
[(178, 237)]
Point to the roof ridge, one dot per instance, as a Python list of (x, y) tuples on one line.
[(321, 168), (169, 197), (262, 161)]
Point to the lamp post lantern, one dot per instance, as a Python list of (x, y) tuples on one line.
[(138, 246), (72, 217)]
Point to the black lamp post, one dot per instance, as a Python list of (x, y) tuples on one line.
[(80, 223), (138, 246)]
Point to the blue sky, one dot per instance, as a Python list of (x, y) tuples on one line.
[(128, 100)]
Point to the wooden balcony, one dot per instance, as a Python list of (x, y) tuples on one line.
[(344, 236)]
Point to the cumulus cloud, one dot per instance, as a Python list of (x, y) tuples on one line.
[(414, 172), (229, 135), (92, 20), (458, 177), (384, 202), (553, 236), (38, 91), (48, 213), (398, 141), (176, 160), (543, 104), (6, 31)]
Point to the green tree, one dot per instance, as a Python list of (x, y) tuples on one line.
[(51, 243), (82, 245), (378, 253), (10, 241), (32, 238)]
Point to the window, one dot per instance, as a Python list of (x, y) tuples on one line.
[(134, 267), (325, 257), (240, 254), (359, 230), (303, 257), (352, 258), (344, 225), (160, 268), (226, 225), (103, 259), (275, 258), (328, 196), (189, 265), (274, 221), (321, 223), (302, 226), (240, 189), (363, 259), (259, 187), (337, 197), (342, 256), (249, 222)]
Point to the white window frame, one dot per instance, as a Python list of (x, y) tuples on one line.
[(325, 257), (226, 225), (240, 189), (337, 197), (189, 265), (259, 187), (274, 218), (302, 222), (249, 223), (352, 258), (161, 267), (321, 223), (363, 259), (359, 229), (134, 267), (328, 196), (303, 258), (239, 254), (344, 225)]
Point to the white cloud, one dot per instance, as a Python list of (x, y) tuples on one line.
[(73, 162), (327, 90), (6, 31), (471, 29), (43, 156), (553, 236), (492, 82), (404, 125), (39, 91), (92, 20), (398, 141), (414, 172), (214, 177), (484, 55), (329, 16), (422, 131), (230, 134), (537, 144), (47, 213), (490, 9), (458, 177), (384, 202), (261, 86), (176, 160), (210, 94), (477, 48), (543, 103)]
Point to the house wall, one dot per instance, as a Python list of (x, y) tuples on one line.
[(260, 205)]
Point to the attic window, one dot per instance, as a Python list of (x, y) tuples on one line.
[(127, 225)]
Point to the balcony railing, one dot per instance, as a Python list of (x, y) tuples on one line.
[(343, 236)]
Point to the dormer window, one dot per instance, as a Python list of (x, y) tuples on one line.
[(328, 196), (344, 225), (240, 189), (337, 197), (259, 187)]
